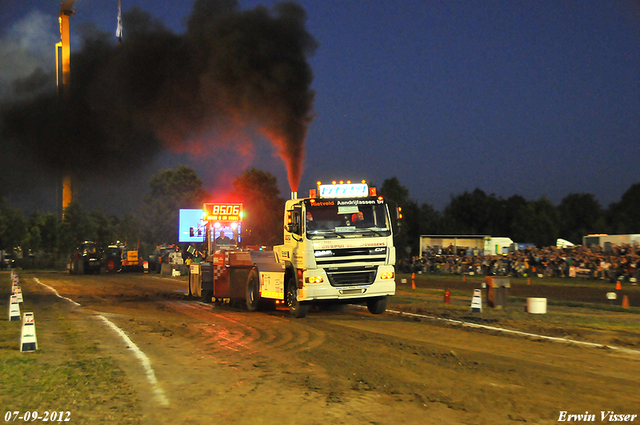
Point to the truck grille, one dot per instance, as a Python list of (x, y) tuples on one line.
[(343, 256), (351, 276), (351, 266)]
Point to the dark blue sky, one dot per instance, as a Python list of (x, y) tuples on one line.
[(528, 97)]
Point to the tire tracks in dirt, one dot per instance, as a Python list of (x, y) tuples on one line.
[(249, 332)]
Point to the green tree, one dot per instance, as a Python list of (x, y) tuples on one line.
[(510, 212), (105, 231), (538, 223), (49, 232), (393, 190), (127, 229), (76, 227), (13, 227), (474, 213), (623, 216), (264, 209), (171, 190), (406, 241), (430, 220), (33, 241), (41, 241), (580, 214), (412, 223)]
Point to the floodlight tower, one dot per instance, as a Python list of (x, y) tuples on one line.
[(63, 72), (63, 50)]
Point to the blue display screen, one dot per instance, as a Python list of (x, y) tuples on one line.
[(190, 226)]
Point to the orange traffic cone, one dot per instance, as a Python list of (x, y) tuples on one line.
[(464, 277), (618, 286), (625, 302), (529, 281)]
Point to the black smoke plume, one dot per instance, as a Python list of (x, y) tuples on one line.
[(233, 69)]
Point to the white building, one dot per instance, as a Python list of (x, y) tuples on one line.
[(478, 244), (606, 241)]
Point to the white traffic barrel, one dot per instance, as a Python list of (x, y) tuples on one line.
[(537, 305)]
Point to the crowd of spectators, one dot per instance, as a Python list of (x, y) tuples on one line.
[(619, 263)]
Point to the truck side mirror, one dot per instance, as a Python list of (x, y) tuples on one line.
[(293, 220)]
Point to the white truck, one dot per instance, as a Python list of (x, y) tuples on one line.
[(338, 249)]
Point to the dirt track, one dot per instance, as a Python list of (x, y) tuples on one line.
[(218, 364)]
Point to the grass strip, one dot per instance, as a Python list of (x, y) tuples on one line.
[(66, 374)]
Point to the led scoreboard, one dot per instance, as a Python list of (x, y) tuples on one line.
[(227, 212)]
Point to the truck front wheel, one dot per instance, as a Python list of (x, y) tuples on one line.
[(296, 308), (377, 305), (253, 291)]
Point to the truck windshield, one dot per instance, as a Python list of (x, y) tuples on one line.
[(339, 221)]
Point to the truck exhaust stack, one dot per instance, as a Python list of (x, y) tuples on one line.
[(294, 195)]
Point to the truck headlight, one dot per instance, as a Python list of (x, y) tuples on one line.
[(387, 275), (313, 279)]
